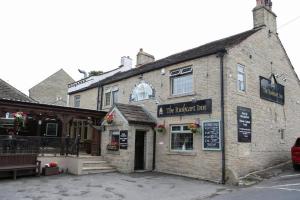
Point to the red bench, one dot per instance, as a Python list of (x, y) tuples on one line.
[(20, 162)]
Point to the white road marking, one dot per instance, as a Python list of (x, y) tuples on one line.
[(282, 187), (291, 175), (286, 185)]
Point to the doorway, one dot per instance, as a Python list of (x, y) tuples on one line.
[(139, 150)]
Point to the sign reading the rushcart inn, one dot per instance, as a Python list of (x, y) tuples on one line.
[(244, 124), (211, 138), (271, 91), (185, 108)]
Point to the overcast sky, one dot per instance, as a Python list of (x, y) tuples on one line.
[(39, 37)]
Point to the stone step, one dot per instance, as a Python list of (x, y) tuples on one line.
[(101, 163), (97, 170)]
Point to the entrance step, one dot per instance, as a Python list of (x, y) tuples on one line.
[(95, 165)]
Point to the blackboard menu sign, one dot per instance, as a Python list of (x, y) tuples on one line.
[(244, 124), (211, 138), (185, 108), (123, 139), (271, 92)]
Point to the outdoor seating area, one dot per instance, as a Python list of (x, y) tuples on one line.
[(19, 164)]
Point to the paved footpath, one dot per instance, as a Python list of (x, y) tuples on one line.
[(111, 186)]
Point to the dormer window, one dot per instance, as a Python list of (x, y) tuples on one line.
[(142, 91)]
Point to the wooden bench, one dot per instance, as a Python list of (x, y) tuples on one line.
[(20, 162)]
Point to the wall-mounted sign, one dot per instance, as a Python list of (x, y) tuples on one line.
[(185, 108), (123, 139), (211, 136), (244, 124), (271, 92)]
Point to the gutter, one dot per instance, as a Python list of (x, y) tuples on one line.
[(154, 150), (221, 55)]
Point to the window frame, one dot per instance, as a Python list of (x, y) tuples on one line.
[(77, 101), (107, 102), (243, 73), (114, 100), (180, 131), (179, 73), (56, 130)]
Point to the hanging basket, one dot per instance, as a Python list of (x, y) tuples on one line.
[(160, 128), (195, 128)]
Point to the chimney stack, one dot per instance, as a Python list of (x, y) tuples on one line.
[(143, 58), (264, 16), (126, 62)]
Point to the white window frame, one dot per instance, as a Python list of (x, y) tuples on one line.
[(182, 72), (55, 130), (107, 103), (180, 131), (243, 74), (113, 97)]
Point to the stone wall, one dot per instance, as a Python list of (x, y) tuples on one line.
[(206, 82), (88, 99), (261, 54), (52, 90), (123, 160)]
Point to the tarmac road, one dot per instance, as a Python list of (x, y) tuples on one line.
[(283, 187)]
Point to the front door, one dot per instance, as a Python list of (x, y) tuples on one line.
[(96, 143), (139, 150)]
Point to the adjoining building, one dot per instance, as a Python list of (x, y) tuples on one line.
[(221, 110), (53, 90)]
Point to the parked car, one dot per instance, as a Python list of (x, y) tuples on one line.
[(295, 151)]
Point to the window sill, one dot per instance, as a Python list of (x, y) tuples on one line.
[(182, 95), (182, 153), (113, 152)]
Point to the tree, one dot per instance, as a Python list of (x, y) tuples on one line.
[(95, 73)]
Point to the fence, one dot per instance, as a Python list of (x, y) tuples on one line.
[(39, 145)]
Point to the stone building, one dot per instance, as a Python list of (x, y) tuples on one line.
[(53, 90), (224, 109)]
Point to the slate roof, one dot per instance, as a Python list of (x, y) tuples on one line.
[(198, 52), (10, 93), (135, 114)]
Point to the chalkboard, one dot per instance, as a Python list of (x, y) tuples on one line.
[(211, 138), (244, 124), (123, 139)]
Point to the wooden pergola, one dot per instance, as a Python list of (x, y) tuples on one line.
[(41, 111)]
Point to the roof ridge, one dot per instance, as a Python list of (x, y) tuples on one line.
[(16, 91)]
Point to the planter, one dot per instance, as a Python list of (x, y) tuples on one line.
[(49, 171), (112, 147)]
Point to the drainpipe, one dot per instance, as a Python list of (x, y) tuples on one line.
[(154, 149), (221, 56), (98, 95), (101, 96)]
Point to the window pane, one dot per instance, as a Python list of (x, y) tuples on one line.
[(51, 129), (182, 84), (107, 99), (115, 96), (176, 128), (182, 141), (77, 101)]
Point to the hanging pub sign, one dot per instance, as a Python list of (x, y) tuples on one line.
[(271, 91), (244, 124), (123, 139), (211, 135), (185, 108)]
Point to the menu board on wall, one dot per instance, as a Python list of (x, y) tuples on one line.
[(244, 124), (123, 139), (211, 138)]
